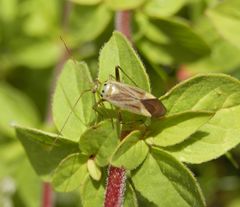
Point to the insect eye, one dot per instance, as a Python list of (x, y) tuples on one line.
[(102, 91), (104, 84), (101, 95)]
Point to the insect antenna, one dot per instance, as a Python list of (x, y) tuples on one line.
[(69, 115), (93, 89)]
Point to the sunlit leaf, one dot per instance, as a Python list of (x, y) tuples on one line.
[(175, 129), (70, 173), (73, 100), (44, 150), (86, 23), (15, 108), (167, 182), (131, 152), (100, 141), (162, 8), (122, 54), (226, 18), (124, 4), (214, 93), (86, 2)]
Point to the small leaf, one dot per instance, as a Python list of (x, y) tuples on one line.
[(124, 4), (39, 55), (100, 141), (214, 93), (130, 199), (86, 2), (8, 11), (131, 152), (167, 182), (29, 185), (175, 129), (72, 101), (92, 192), (122, 54), (17, 108), (221, 50), (93, 169), (44, 150), (161, 8), (212, 140), (70, 173), (86, 23), (211, 93), (226, 18), (172, 38), (155, 53)]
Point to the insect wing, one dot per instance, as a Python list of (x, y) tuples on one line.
[(154, 107), (135, 100)]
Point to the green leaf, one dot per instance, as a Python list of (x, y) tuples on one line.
[(94, 170), (86, 23), (15, 107), (216, 62), (10, 161), (44, 150), (214, 93), (92, 192), (86, 2), (162, 8), (8, 10), (100, 141), (122, 54), (70, 173), (124, 4), (209, 92), (155, 53), (40, 55), (142, 201), (72, 101), (221, 50), (212, 140), (29, 185), (130, 199), (176, 128), (40, 19), (226, 18), (167, 182), (131, 152), (173, 39)]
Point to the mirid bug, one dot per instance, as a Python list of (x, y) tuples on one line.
[(131, 98)]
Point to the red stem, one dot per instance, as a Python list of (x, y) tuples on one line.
[(123, 23), (115, 187), (116, 180), (47, 200)]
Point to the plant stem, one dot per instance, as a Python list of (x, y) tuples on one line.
[(116, 180), (47, 200), (123, 23)]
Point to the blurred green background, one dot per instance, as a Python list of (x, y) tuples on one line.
[(175, 39)]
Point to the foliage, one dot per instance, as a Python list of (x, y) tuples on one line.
[(174, 38), (204, 107)]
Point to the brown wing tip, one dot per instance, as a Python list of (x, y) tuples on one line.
[(154, 107)]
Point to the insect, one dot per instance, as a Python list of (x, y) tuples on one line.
[(132, 99)]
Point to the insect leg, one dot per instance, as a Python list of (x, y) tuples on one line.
[(118, 68), (117, 75)]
